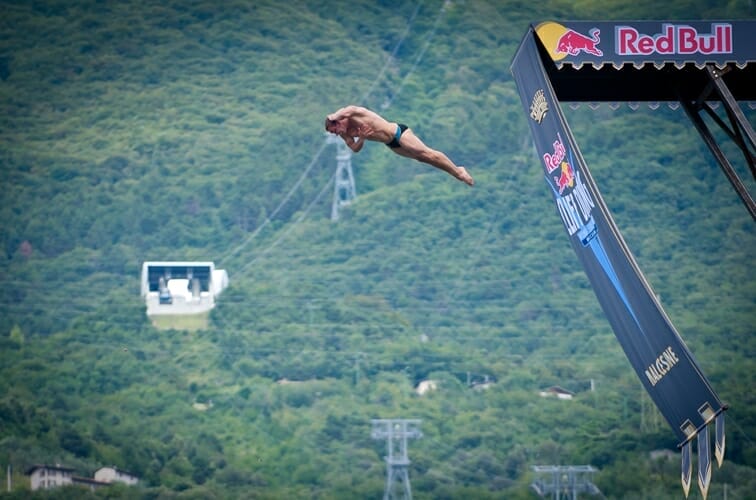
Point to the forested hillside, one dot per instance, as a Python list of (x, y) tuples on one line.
[(193, 130)]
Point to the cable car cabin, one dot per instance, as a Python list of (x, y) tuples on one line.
[(181, 288)]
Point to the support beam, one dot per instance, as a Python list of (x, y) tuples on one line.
[(739, 131)]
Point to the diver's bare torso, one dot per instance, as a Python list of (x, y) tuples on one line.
[(371, 126)]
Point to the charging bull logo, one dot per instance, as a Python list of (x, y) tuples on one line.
[(566, 177), (573, 43), (562, 41)]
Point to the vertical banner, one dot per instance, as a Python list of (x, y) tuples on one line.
[(656, 351)]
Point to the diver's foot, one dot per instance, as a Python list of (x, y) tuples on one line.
[(462, 175)]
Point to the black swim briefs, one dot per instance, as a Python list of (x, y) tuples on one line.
[(400, 128)]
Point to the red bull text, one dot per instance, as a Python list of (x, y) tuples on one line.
[(674, 39), (553, 161)]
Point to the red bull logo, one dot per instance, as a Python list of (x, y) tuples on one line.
[(562, 41), (573, 43), (558, 160)]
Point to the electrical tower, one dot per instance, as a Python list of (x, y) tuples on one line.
[(564, 481), (396, 432), (344, 191)]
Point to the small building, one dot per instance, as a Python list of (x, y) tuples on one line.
[(115, 475), (49, 476), (426, 386), (181, 287), (557, 392)]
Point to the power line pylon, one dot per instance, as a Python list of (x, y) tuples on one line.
[(564, 481), (344, 190), (396, 432)]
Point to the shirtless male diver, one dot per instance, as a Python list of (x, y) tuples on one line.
[(355, 125)]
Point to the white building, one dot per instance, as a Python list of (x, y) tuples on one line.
[(181, 287), (113, 474), (557, 392), (49, 476)]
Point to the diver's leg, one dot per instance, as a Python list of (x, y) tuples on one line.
[(411, 146)]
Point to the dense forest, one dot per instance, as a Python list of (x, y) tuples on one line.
[(193, 130)]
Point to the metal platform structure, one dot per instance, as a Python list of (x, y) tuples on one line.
[(709, 69), (699, 65)]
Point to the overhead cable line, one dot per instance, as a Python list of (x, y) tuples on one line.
[(418, 58), (289, 229), (283, 202)]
